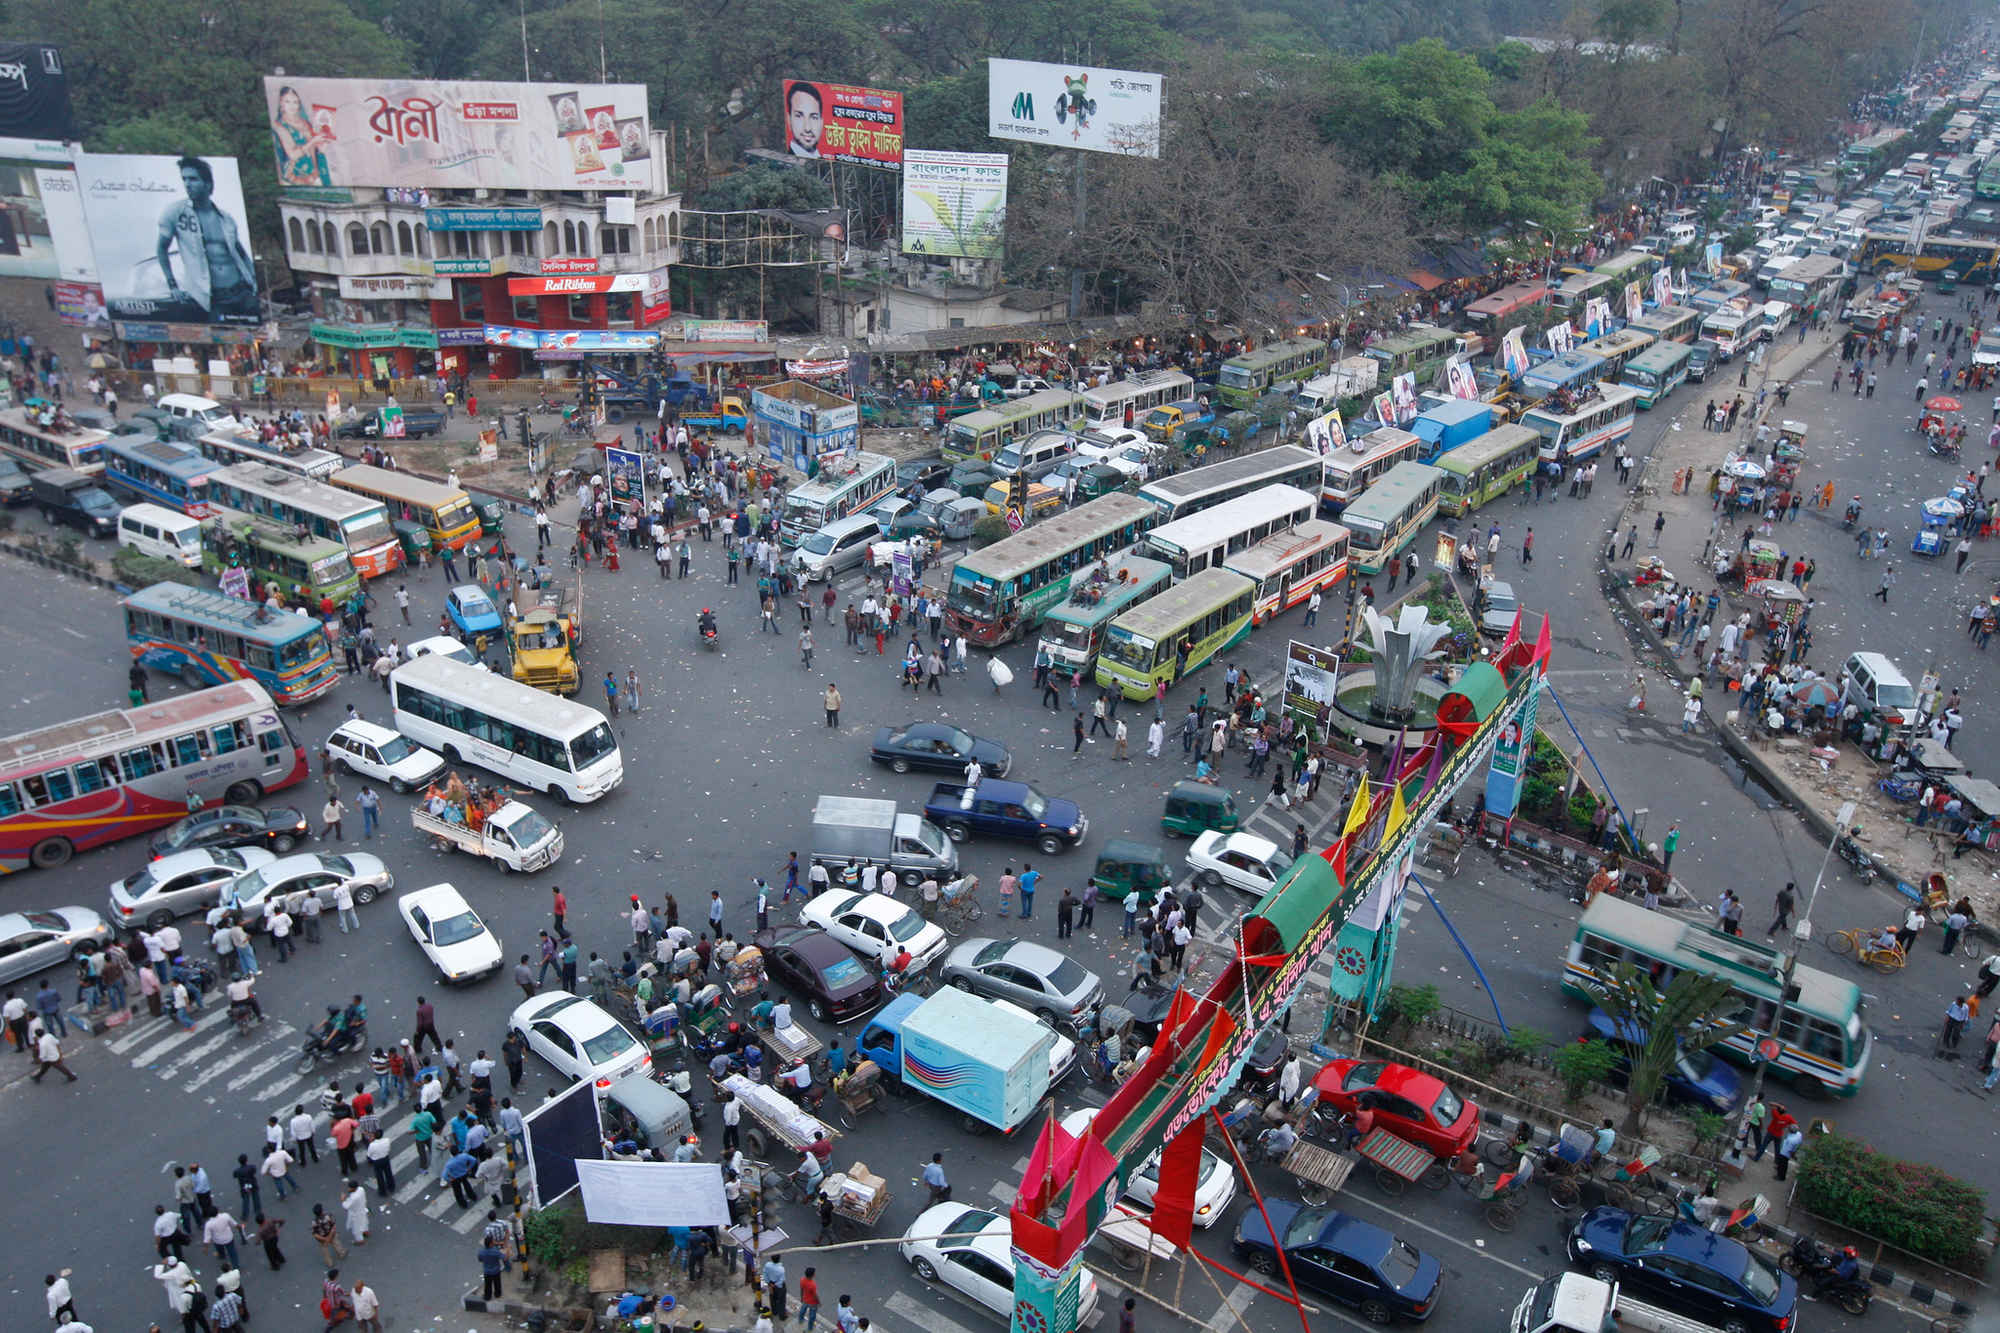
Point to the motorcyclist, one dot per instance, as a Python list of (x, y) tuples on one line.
[(353, 1022), (1853, 510), (1848, 1267), (242, 997), (707, 623)]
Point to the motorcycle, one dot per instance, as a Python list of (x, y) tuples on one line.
[(1809, 1259), (244, 1015), (1941, 448), (1850, 852), (324, 1047), (681, 1083), (711, 637), (1852, 516)]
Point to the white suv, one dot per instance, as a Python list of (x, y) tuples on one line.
[(387, 756)]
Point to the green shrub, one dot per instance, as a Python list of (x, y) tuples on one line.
[(1411, 1004), (546, 1237), (69, 550), (988, 530), (143, 571), (1525, 1043), (1915, 1207), (1582, 1065), (1709, 1129)]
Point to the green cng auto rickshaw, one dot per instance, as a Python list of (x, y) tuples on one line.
[(1129, 866), (1194, 808), (492, 515), (414, 538)]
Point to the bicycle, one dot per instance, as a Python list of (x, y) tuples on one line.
[(1845, 942)]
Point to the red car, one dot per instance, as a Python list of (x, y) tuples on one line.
[(1407, 1102)]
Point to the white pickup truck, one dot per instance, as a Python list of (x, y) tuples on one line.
[(514, 835), (1575, 1303)]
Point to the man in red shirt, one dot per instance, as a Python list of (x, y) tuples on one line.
[(363, 1101)]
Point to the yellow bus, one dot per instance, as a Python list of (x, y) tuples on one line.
[(1181, 630), (443, 511)]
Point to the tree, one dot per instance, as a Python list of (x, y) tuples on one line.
[(1691, 1015), (949, 115)]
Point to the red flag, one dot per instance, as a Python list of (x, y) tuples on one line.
[(1513, 637), (1541, 657)]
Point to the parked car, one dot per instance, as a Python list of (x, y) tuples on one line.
[(1497, 607), (32, 941), (578, 1037), (1051, 985), (317, 872), (278, 828), (1240, 860), (1407, 1102), (1354, 1262), (835, 985), (450, 933), (1699, 1077), (1687, 1268), (971, 1251), (937, 746), (472, 611), (875, 926), (376, 751), (1214, 1182), (14, 487), (179, 884)]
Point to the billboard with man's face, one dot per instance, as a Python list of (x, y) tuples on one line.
[(838, 123), (466, 135), (171, 236)]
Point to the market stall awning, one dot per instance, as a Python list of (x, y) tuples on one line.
[(1424, 279), (1058, 331)]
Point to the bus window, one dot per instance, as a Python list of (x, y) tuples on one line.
[(10, 800), (89, 778), (272, 741), (186, 750), (59, 784), (34, 792), (1601, 955), (137, 764)]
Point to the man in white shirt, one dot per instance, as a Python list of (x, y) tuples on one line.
[(278, 1166), (301, 1129), (48, 1055)]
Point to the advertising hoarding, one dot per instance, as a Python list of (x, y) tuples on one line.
[(483, 219), (1074, 106), (839, 123), (462, 135), (172, 241), (582, 284), (954, 204), (656, 302), (570, 340), (34, 91)]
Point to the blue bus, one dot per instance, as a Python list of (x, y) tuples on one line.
[(1572, 370), (206, 638), (165, 472)]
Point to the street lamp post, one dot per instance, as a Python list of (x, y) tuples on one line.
[(1548, 259), (1801, 933)]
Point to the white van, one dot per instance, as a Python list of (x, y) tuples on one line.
[(1680, 234), (839, 545), (1873, 681), (210, 414), (161, 533), (1036, 455)]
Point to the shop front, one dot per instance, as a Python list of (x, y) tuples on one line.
[(798, 423)]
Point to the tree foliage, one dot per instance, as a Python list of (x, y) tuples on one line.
[(1692, 1014), (1915, 1207)]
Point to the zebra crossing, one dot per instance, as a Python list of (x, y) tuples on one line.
[(258, 1070)]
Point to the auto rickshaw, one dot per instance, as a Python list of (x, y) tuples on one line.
[(972, 477), (1791, 441), (492, 515), (1127, 866), (1194, 808), (414, 537)]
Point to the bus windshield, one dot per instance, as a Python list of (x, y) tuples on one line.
[(366, 530), (980, 598), (1068, 634), (1128, 650), (592, 746)]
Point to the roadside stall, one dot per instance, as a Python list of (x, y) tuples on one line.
[(1941, 517)]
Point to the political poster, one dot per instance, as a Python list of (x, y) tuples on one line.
[(834, 122), (954, 204), (467, 134), (625, 472), (1596, 317), (171, 238), (1326, 433), (1560, 337), (1663, 287), (1074, 106), (1459, 377), (1513, 352), (1403, 390), (1635, 299)]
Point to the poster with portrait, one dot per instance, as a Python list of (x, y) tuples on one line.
[(1459, 377), (1385, 409), (1403, 389), (1663, 288), (464, 134), (1560, 337), (1635, 299), (172, 238), (1514, 352), (1326, 433), (625, 473), (835, 122), (1596, 317)]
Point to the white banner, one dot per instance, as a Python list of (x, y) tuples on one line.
[(395, 288), (1074, 106), (954, 204), (653, 1194), (463, 135)]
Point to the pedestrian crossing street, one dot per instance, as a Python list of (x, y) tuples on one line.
[(257, 1071)]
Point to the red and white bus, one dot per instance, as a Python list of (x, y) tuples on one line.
[(105, 776), (1494, 315)]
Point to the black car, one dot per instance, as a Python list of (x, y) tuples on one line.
[(277, 829), (14, 488), (936, 746), (1356, 1263), (922, 475), (1687, 1268), (835, 985)]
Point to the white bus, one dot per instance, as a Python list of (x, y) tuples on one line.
[(1292, 565), (1589, 428), (243, 445), (531, 738), (299, 503), (1125, 402), (25, 436), (1733, 330), (1202, 488), (1352, 470), (845, 488), (1206, 540)]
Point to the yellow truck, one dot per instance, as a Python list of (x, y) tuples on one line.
[(542, 641)]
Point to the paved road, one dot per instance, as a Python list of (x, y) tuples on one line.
[(724, 759)]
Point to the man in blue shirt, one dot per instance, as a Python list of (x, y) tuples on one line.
[(934, 1177), (1030, 877), (458, 1171)]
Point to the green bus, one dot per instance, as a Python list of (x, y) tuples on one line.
[(982, 434), (1246, 378), (1486, 468), (272, 555), (1420, 350), (1390, 513), (1073, 632), (1210, 613), (1826, 1042), (1000, 592), (1658, 371), (1632, 266)]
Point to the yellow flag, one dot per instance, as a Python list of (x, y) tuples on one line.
[(1357, 814), (1397, 813)]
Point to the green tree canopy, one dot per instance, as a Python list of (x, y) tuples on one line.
[(1691, 1014)]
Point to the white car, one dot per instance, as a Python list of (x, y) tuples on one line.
[(450, 933), (1027, 384), (1214, 1184), (578, 1038), (444, 646), (1105, 439), (970, 1250), (1240, 860), (1134, 460), (320, 872), (375, 751), (882, 552), (875, 926), (179, 884)]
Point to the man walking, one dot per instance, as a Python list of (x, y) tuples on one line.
[(1527, 549), (831, 702), (1787, 898), (1888, 582), (49, 1055), (934, 1179)]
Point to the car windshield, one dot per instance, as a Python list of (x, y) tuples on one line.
[(1305, 1226), (1760, 1279), (396, 749), (992, 953), (1400, 1265), (529, 829), (46, 921), (1068, 978), (1035, 804), (592, 746), (458, 929), (968, 1224), (1447, 1108), (818, 544), (475, 604), (248, 886), (1646, 1234), (608, 1045), (905, 927), (339, 865), (843, 972)]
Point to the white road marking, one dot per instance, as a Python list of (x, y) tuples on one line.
[(258, 1070), (180, 1037), (918, 1315)]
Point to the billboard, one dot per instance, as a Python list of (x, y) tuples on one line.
[(581, 285), (954, 204), (460, 135), (34, 91), (570, 340), (837, 123), (171, 238), (38, 203), (1074, 106)]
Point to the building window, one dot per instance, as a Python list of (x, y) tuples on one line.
[(357, 239), (650, 235), (614, 240), (618, 309), (405, 244), (332, 238), (520, 242), (461, 243), (472, 302), (673, 229), (423, 241), (527, 310), (295, 235), (378, 236), (956, 322), (583, 238), (549, 239), (569, 237), (312, 237), (579, 309)]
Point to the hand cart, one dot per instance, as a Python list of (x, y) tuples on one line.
[(857, 1090), (745, 972), (778, 1119), (1399, 1163), (854, 1211), (790, 1043), (1320, 1171)]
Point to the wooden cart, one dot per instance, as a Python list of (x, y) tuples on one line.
[(852, 1217), (858, 1090), (794, 1128), (1320, 1171), (1398, 1162), (790, 1043)]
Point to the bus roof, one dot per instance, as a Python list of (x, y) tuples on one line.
[(271, 536), (500, 696), (1661, 356), (1160, 616), (1660, 316), (1041, 400), (1140, 575), (1712, 952), (845, 473), (1033, 546), (1381, 440), (1508, 299), (1416, 338), (1485, 448), (1144, 382), (182, 460), (401, 485), (1231, 515), (29, 750), (1277, 351), (291, 486), (1569, 365), (221, 611), (1263, 559), (18, 418), (1396, 488), (1229, 472), (1616, 339)]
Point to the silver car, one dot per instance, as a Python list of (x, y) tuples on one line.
[(32, 941), (1048, 984), (180, 884), (316, 872)]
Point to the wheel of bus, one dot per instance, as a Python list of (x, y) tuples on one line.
[(560, 794), (191, 675), (245, 792), (1841, 942), (51, 852)]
